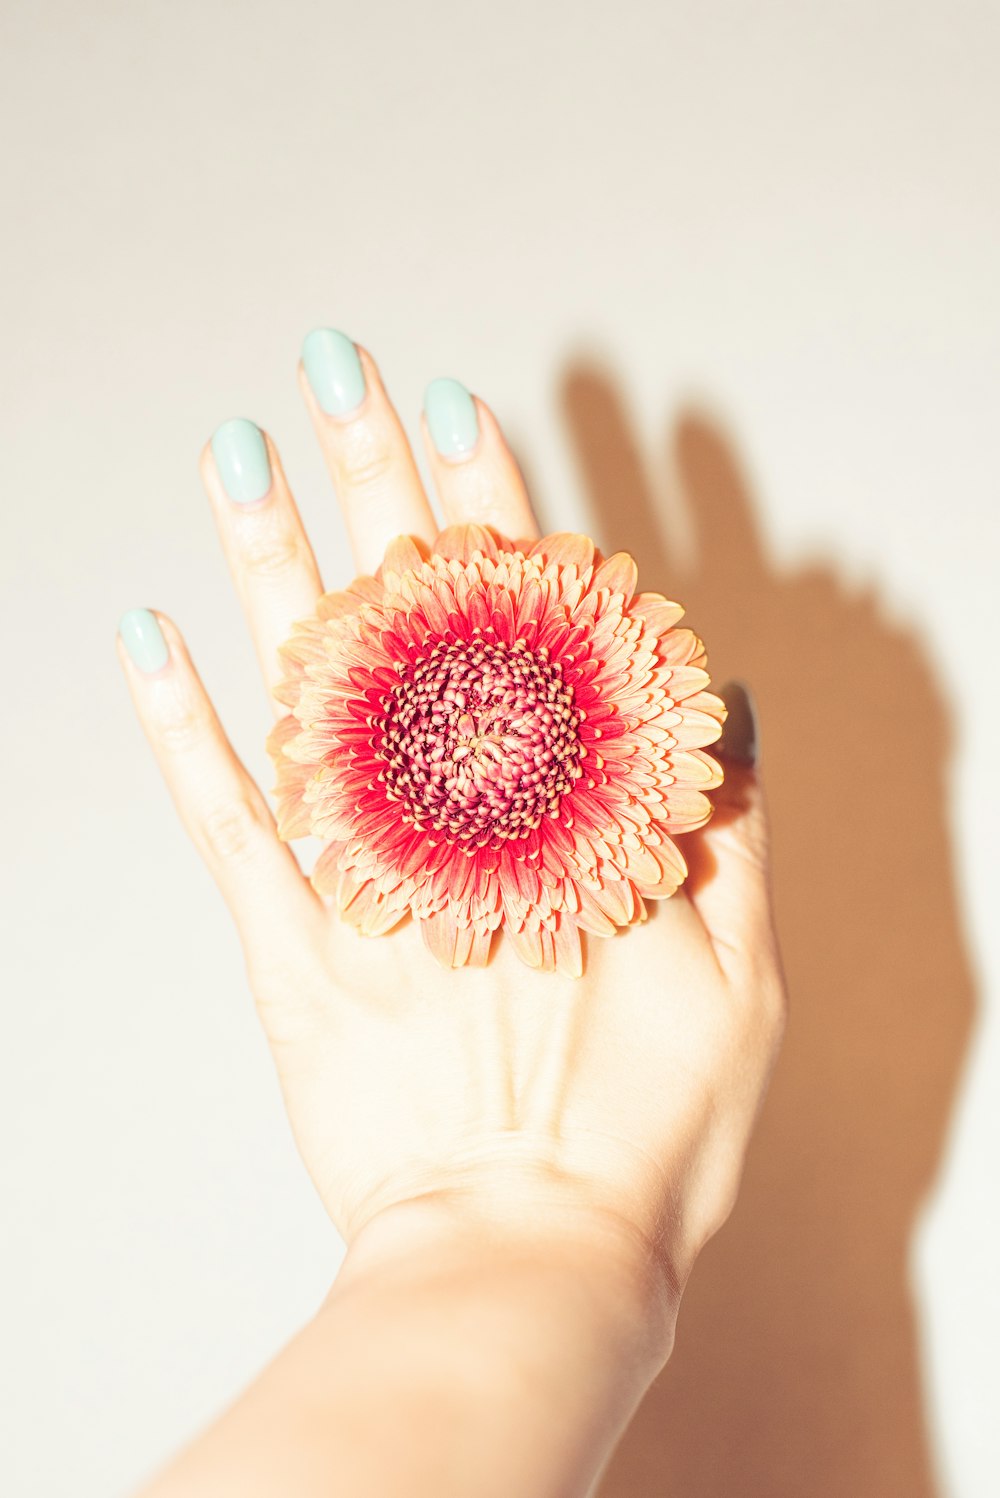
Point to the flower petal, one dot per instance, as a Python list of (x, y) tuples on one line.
[(403, 554), (567, 548), (619, 574), (527, 943), (658, 612), (485, 680), (568, 952), (461, 542), (451, 944), (291, 777)]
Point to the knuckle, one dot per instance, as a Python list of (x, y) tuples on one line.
[(367, 458), (183, 729), (269, 554), (292, 1004), (231, 831), (747, 843)]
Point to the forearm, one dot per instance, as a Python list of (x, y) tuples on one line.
[(452, 1357)]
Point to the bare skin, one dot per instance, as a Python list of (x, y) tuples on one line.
[(523, 1166)]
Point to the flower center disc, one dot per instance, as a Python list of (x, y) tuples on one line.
[(480, 740)]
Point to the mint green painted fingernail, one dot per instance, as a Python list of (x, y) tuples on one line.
[(334, 371), (144, 640), (240, 454), (451, 416)]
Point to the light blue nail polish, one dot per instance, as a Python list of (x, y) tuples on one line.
[(334, 371), (451, 416), (144, 640), (240, 454)]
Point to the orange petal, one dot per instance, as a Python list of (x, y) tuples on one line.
[(695, 767), (658, 612), (673, 871), (372, 913), (695, 729), (642, 865), (619, 574), (404, 554), (473, 946), (441, 936), (685, 808), (527, 944), (327, 878), (566, 547), (460, 542), (294, 816), (686, 681), (338, 605), (616, 900), (708, 702), (681, 647), (568, 952), (366, 589), (591, 917), (548, 950)]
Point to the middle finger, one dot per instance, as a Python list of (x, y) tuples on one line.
[(366, 450)]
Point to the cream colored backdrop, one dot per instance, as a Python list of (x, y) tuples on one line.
[(727, 273)]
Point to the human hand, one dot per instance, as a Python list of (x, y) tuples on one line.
[(625, 1097)]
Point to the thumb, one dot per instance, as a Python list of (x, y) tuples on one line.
[(729, 858)]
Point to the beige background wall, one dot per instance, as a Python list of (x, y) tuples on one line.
[(727, 273)]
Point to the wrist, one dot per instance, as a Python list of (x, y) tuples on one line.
[(512, 1345), (569, 1252)]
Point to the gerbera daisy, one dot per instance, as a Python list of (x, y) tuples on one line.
[(496, 735)]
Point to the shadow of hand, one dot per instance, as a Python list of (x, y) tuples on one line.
[(796, 1368)]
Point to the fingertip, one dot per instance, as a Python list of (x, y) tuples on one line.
[(339, 381), (370, 369), (453, 420), (491, 435), (142, 640), (739, 740), (476, 475), (206, 462), (730, 862), (173, 635)]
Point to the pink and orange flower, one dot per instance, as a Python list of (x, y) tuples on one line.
[(496, 735)]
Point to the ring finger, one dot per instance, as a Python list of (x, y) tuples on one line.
[(475, 472)]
